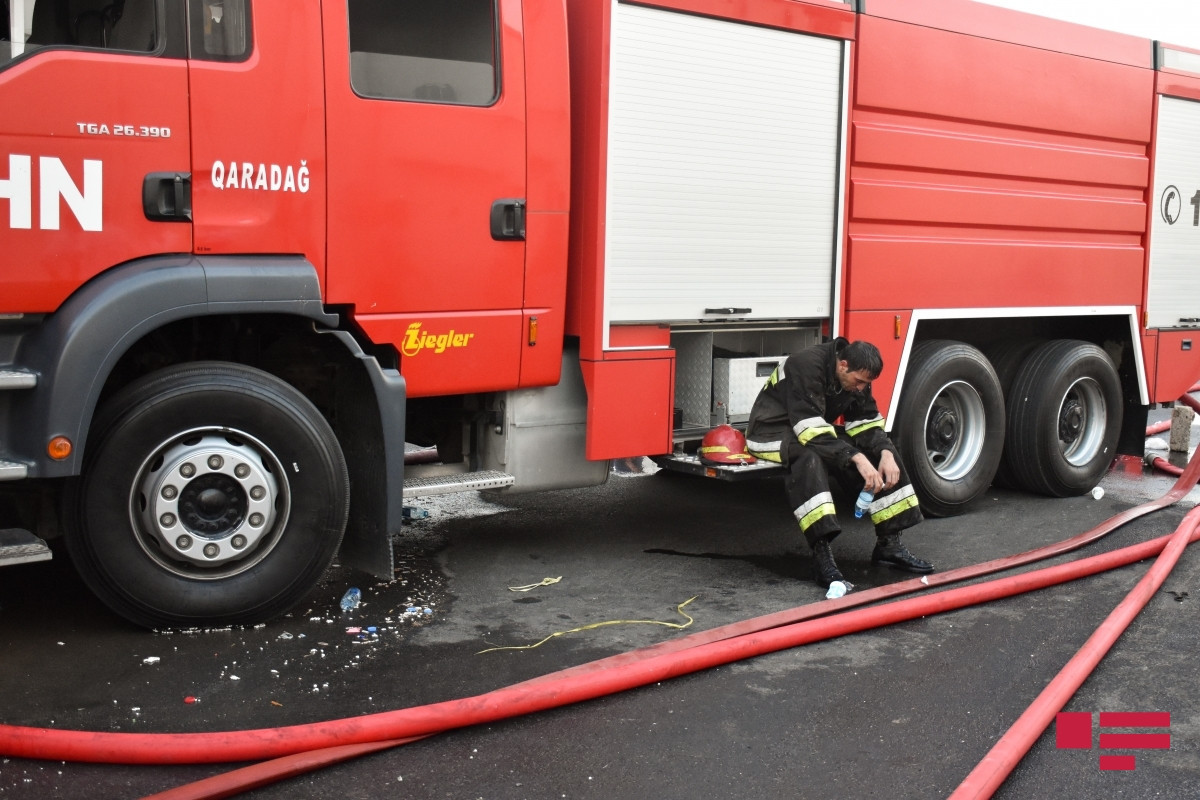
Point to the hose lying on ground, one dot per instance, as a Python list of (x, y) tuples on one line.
[(304, 747)]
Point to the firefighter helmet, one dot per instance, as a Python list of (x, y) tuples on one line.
[(724, 444)]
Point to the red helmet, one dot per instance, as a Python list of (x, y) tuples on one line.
[(724, 444)]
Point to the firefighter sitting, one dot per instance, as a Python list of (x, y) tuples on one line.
[(789, 425)]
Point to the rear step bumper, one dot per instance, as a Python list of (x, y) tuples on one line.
[(690, 464)]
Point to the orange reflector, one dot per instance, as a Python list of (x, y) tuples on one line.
[(59, 448), (532, 331)]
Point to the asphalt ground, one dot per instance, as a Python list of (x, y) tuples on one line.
[(904, 711)]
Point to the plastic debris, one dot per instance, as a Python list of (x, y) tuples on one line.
[(151, 660), (190, 700), (1097, 493), (677, 625), (351, 599), (542, 582), (838, 589)]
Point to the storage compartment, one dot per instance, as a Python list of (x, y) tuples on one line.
[(736, 382), (718, 371)]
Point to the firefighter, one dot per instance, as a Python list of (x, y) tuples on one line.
[(793, 423)]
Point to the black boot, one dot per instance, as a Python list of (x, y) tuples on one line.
[(890, 550), (825, 569)]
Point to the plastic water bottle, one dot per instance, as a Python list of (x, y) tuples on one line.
[(863, 501), (351, 599)]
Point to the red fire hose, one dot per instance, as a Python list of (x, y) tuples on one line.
[(987, 776), (1158, 462), (301, 748)]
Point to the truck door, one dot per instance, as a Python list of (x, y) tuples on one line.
[(426, 152), (93, 131), (258, 137)]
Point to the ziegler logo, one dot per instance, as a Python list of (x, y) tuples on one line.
[(416, 340)]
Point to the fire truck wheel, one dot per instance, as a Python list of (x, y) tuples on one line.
[(950, 425), (1064, 418), (211, 493), (1006, 358)]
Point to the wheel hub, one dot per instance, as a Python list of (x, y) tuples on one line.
[(208, 499), (1071, 420), (942, 432), (212, 504)]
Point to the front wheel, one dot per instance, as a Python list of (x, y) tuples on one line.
[(211, 493), (950, 425), (1064, 417)]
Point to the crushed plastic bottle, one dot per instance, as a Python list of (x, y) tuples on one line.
[(837, 589), (351, 599), (863, 501)]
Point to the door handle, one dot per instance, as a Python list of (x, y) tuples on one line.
[(508, 220), (167, 196)]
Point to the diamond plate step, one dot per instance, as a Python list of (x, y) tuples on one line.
[(458, 482), (691, 465), (12, 470), (17, 378), (19, 546)]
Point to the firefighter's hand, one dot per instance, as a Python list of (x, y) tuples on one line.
[(873, 481), (889, 469)]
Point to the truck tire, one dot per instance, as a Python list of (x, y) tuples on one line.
[(950, 425), (211, 494), (1006, 358), (1064, 417)]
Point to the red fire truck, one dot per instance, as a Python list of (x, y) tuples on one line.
[(250, 248)]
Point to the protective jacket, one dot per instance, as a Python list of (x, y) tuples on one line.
[(804, 396)]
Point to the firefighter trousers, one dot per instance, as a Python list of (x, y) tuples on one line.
[(808, 482)]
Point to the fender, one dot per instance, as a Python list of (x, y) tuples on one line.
[(77, 346)]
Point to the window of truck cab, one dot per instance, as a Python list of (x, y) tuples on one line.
[(215, 30), (444, 51)]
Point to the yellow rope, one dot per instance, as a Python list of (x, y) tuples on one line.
[(679, 626), (542, 582)]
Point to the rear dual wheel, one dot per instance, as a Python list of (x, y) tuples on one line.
[(1064, 417), (950, 425), (211, 493)]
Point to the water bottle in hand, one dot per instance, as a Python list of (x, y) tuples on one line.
[(863, 501)]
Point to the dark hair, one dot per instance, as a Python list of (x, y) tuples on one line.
[(862, 355)]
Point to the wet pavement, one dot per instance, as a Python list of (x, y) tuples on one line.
[(899, 712)]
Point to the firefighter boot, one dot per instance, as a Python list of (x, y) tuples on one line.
[(891, 551), (825, 569)]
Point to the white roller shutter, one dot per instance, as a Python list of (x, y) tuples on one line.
[(722, 168), (1174, 292)]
